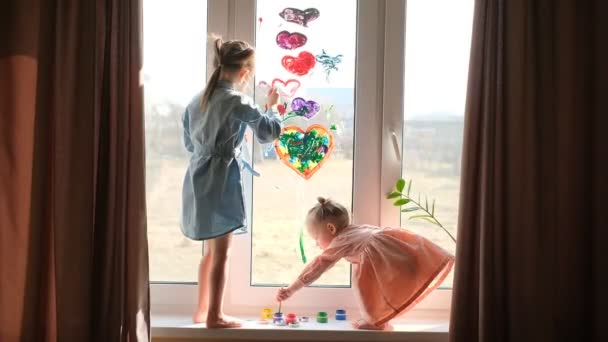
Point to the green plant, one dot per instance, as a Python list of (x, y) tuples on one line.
[(402, 198)]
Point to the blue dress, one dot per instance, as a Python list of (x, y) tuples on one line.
[(212, 195)]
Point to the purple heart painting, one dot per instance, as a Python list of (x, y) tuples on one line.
[(304, 108), (290, 41), (297, 16)]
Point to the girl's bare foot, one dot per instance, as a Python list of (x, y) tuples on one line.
[(364, 325), (199, 317), (223, 322)]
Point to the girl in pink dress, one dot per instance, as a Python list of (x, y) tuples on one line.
[(393, 269)]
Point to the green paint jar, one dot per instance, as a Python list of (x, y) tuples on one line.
[(322, 317)]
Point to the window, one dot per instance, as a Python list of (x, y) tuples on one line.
[(371, 107), (438, 38), (174, 71), (282, 197)]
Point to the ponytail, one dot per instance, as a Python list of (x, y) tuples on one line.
[(215, 76)]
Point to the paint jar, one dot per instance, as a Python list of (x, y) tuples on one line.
[(322, 317), (266, 314), (291, 318), (341, 315), (304, 319), (278, 316)]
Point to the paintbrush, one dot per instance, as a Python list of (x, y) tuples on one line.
[(280, 302)]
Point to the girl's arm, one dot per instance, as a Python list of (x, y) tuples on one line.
[(186, 137), (266, 126), (313, 271)]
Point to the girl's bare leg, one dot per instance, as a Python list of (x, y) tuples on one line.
[(220, 251), (204, 269)]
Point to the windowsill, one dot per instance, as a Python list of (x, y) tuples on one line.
[(414, 329)]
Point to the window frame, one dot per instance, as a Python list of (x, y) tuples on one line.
[(380, 50)]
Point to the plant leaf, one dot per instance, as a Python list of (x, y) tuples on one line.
[(400, 185), (409, 187), (401, 202), (409, 210), (429, 219), (426, 204), (433, 208), (419, 216), (393, 195)]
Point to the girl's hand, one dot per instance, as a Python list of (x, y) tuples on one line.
[(273, 98), (284, 294)]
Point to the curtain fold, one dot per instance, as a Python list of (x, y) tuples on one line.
[(73, 238), (532, 225)]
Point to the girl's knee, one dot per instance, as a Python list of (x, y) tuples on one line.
[(220, 256), (219, 249)]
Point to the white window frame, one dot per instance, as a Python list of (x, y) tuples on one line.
[(379, 119)]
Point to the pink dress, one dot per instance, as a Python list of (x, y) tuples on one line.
[(393, 269)]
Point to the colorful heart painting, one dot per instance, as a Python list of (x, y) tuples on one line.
[(297, 16), (307, 109), (304, 151), (290, 41), (299, 65)]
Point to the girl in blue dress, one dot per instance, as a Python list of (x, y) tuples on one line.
[(213, 205)]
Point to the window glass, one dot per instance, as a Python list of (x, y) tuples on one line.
[(174, 71), (438, 34), (291, 36)]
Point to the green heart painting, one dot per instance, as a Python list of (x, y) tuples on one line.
[(304, 151)]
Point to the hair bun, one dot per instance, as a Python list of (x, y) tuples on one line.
[(322, 200)]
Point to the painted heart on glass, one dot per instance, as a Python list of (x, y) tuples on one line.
[(290, 41), (286, 89), (304, 151), (307, 109), (299, 65), (297, 16)]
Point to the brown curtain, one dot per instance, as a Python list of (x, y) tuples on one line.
[(533, 221), (73, 245)]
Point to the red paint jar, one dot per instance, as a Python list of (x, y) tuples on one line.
[(291, 318)]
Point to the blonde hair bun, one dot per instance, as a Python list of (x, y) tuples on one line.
[(327, 210)]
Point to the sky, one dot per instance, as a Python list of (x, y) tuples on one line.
[(436, 60), (438, 39)]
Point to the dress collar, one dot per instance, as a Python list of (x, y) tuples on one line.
[(225, 84)]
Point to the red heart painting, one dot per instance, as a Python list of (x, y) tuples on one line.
[(299, 65)]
